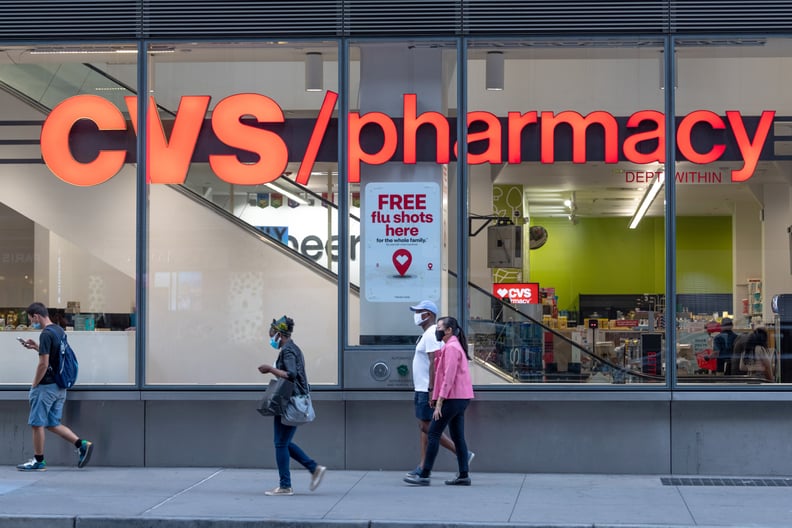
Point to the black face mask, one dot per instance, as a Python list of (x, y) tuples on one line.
[(439, 334)]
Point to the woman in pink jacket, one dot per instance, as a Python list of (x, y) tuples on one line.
[(452, 393)]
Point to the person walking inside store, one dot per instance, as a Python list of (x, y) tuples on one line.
[(46, 397), (757, 360), (424, 315), (723, 345), (290, 365), (451, 396), (737, 352)]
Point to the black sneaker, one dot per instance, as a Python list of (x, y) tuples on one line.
[(417, 480), (458, 481), (84, 453)]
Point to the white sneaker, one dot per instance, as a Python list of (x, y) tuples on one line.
[(316, 477), (279, 491)]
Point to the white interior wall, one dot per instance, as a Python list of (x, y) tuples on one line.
[(76, 275), (776, 277), (480, 203), (746, 253), (84, 236)]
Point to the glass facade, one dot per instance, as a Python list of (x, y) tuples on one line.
[(732, 207), (269, 164), (72, 247), (564, 182)]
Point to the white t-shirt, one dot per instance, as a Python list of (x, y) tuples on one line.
[(426, 344)]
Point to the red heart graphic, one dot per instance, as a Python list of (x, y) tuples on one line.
[(402, 260)]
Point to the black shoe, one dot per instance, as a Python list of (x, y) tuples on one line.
[(84, 453), (458, 481), (417, 480)]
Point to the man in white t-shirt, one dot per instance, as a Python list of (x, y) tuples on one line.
[(425, 315)]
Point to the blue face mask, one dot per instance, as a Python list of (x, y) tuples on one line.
[(274, 341), (35, 326)]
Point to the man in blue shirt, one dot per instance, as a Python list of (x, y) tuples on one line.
[(46, 397)]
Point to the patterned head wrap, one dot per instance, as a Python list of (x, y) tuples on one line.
[(284, 326)]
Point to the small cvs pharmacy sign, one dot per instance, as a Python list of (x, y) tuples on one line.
[(518, 292)]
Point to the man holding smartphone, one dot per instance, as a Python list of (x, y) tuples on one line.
[(46, 397)]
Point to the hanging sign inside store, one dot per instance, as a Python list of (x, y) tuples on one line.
[(246, 133), (517, 292), (402, 252)]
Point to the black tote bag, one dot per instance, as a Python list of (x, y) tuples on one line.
[(277, 397)]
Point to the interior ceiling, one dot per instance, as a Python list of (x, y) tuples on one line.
[(603, 190), (597, 189)]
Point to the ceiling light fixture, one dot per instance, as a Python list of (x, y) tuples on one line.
[(94, 51), (648, 198), (314, 72), (494, 71)]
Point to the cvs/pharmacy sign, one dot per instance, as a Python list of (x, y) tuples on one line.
[(518, 292)]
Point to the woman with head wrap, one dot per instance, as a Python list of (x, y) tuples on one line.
[(289, 365)]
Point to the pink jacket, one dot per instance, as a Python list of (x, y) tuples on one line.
[(452, 375)]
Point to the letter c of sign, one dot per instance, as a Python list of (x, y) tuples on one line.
[(55, 140)]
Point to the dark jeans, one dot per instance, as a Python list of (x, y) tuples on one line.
[(453, 416), (285, 448)]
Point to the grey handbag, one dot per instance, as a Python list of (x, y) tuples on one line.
[(277, 397), (299, 410)]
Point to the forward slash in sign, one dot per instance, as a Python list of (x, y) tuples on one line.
[(319, 129)]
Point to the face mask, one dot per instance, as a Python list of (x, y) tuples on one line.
[(36, 326), (439, 334), (274, 341), (418, 318)]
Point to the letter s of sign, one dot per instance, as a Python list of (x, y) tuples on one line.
[(55, 140), (227, 126)]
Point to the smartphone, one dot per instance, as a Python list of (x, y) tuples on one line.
[(21, 341)]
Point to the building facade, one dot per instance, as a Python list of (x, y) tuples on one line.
[(312, 159)]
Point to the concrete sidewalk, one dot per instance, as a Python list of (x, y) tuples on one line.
[(212, 497)]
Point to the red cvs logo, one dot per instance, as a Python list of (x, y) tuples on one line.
[(517, 293), (402, 260)]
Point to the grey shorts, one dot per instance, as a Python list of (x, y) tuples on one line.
[(46, 405)]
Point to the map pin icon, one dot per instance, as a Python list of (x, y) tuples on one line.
[(402, 260)]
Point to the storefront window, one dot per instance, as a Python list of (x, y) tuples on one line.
[(733, 210), (402, 100), (567, 238), (68, 238), (242, 226)]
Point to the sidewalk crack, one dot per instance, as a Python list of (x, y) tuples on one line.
[(183, 491)]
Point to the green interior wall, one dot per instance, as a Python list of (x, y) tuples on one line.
[(601, 255), (704, 254)]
